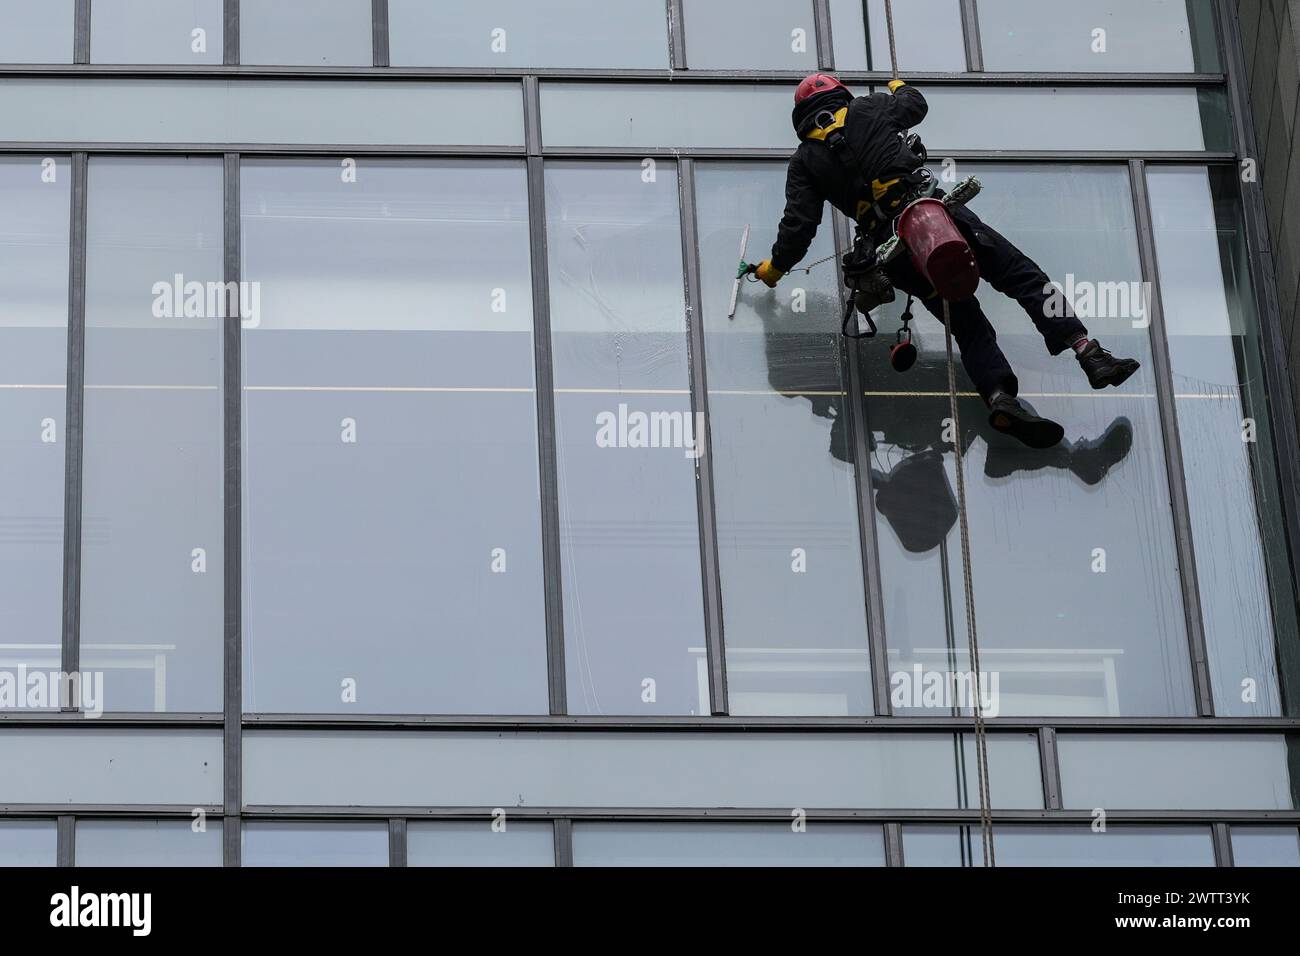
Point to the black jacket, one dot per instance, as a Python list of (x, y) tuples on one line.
[(874, 152)]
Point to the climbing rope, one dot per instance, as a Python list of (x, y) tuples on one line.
[(981, 732)]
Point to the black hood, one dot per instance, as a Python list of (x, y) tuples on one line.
[(806, 112)]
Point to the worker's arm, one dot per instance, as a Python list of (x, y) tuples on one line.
[(803, 214), (907, 105)]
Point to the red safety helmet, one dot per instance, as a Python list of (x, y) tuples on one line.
[(814, 84)]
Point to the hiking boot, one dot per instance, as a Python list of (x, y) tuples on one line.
[(1104, 369), (1013, 417)]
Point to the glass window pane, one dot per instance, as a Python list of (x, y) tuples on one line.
[(390, 440), (306, 32), (652, 116), (727, 844), (156, 31), (523, 33), (107, 765), (1177, 771), (262, 111), (28, 843), (1265, 846), (147, 843), (315, 844), (928, 36), (152, 539), (1099, 36), (625, 435), (38, 32), (618, 769), (1230, 462), (1119, 118), (34, 217), (1049, 633), (478, 844), (750, 35), (1060, 846), (787, 517)]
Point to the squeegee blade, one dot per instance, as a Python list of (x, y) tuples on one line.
[(735, 286)]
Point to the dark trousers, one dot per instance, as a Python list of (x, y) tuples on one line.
[(1012, 273)]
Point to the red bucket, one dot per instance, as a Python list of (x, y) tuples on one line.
[(938, 249)]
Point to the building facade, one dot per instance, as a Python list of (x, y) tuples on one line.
[(385, 481)]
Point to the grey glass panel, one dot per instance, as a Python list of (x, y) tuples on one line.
[(1242, 565), (105, 766), (148, 843), (1265, 846), (521, 33), (1177, 771), (1101, 36), (625, 435), (1060, 846), (156, 31), (620, 769), (750, 35), (289, 112), (152, 540), (792, 592), (306, 32), (1076, 118), (28, 843), (727, 844), (315, 844), (392, 553), (38, 32), (478, 844), (1051, 631), (34, 193), (928, 35), (652, 116)]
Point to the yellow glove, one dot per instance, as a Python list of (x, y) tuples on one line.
[(895, 84), (768, 274)]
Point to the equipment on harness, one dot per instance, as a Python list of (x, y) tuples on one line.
[(939, 251), (903, 355)]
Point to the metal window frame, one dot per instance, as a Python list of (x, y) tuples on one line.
[(232, 495)]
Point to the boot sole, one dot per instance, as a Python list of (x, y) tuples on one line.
[(1118, 380), (1039, 433)]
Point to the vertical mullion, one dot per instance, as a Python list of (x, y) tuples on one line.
[(676, 36), (81, 32), (1221, 834), (232, 464), (563, 842), (74, 421), (379, 32), (822, 24), (397, 842), (66, 837), (970, 28), (230, 33), (893, 844), (704, 490), (1050, 767), (1173, 448), (543, 380), (855, 406)]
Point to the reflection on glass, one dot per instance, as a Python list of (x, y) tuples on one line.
[(151, 587), (727, 844), (1242, 564), (147, 843), (1099, 36), (314, 844), (28, 843), (156, 31), (480, 844), (392, 557), (1060, 846), (523, 33), (1058, 635), (928, 36), (788, 538), (626, 440), (306, 32), (750, 35), (1178, 771), (1265, 846), (34, 193), (36, 32)]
